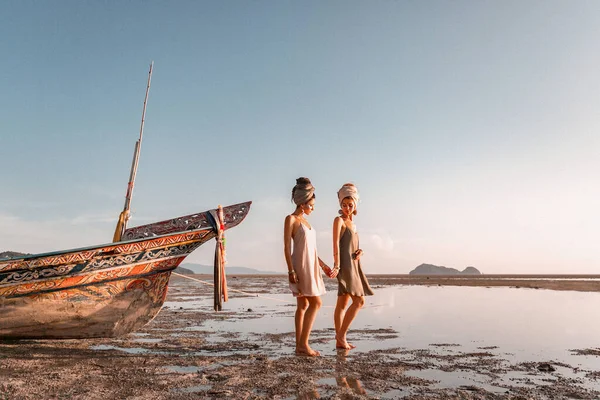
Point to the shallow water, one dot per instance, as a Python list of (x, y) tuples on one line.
[(539, 322), (512, 325)]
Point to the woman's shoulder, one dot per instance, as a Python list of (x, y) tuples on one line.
[(292, 219), (292, 223)]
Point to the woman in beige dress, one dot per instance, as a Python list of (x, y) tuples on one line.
[(352, 282), (303, 263)]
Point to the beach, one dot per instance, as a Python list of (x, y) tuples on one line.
[(405, 348)]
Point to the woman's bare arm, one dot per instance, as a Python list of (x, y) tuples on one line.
[(338, 225), (288, 228)]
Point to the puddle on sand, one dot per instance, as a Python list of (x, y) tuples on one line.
[(147, 340), (132, 350), (192, 389), (454, 379), (184, 369)]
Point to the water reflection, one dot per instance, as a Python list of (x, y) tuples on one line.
[(341, 379), (350, 383), (345, 383), (437, 323)]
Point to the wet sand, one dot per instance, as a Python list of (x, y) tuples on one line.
[(173, 358)]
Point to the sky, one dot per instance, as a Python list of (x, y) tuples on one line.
[(471, 128)]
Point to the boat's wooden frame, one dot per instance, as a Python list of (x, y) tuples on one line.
[(101, 291)]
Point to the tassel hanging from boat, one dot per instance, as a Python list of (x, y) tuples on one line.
[(223, 253), (220, 260)]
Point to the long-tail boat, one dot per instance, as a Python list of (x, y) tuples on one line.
[(110, 289)]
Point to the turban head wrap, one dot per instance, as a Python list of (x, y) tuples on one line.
[(303, 192), (349, 190)]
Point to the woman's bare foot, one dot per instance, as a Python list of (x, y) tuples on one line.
[(342, 344), (307, 351)]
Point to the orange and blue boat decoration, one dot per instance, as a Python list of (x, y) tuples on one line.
[(106, 290)]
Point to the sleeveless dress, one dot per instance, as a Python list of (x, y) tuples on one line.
[(306, 264), (351, 279)]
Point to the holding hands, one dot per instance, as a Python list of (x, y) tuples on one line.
[(335, 271), (331, 272)]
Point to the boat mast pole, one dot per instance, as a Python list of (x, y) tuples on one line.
[(124, 216)]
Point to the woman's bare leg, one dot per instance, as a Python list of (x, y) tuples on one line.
[(351, 312), (314, 303), (302, 305), (338, 317)]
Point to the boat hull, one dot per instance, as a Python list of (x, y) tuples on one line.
[(116, 308), (100, 291)]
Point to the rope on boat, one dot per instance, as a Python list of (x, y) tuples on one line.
[(256, 294)]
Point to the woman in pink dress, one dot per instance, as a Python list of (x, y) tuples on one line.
[(303, 263)]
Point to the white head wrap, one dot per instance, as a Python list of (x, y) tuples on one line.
[(348, 190)]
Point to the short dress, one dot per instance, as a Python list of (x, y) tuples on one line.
[(305, 262), (351, 279)]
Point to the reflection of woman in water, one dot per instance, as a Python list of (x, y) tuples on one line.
[(303, 264), (340, 374), (352, 282)]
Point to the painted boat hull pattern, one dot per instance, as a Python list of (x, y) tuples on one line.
[(101, 291)]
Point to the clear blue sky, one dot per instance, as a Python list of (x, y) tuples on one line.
[(471, 128)]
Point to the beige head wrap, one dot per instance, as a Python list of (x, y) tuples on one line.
[(348, 190), (303, 191)]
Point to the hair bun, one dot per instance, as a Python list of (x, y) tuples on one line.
[(303, 181), (303, 191)]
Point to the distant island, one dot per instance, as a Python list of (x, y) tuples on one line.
[(11, 254), (184, 271), (430, 269)]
